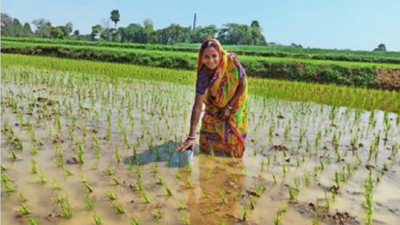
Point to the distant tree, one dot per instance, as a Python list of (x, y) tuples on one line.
[(77, 34), (132, 33), (57, 32), (296, 45), (148, 31), (381, 47), (235, 34), (26, 30), (96, 31), (17, 28), (202, 33), (6, 25), (256, 34), (42, 28), (115, 17), (67, 29)]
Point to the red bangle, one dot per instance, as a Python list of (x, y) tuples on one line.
[(191, 137)]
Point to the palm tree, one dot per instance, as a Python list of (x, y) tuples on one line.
[(115, 17)]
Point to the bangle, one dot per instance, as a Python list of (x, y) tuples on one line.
[(191, 137), (229, 107)]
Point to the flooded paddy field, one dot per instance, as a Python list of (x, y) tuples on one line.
[(84, 149)]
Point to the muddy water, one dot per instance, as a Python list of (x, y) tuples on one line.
[(290, 144)]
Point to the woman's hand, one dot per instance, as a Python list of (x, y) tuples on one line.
[(189, 143), (225, 113)]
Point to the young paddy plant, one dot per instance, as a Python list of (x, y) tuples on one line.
[(135, 221), (111, 195), (24, 210), (245, 213), (145, 198), (56, 185), (119, 208), (81, 157), (42, 178), (66, 209), (168, 191), (115, 179), (22, 198), (96, 218), (68, 171), (292, 194), (157, 214), (278, 217), (33, 167)]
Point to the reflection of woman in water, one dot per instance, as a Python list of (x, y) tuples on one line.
[(221, 181), (221, 85)]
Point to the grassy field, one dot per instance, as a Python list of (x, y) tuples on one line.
[(193, 55), (194, 48)]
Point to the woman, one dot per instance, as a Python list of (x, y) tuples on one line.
[(221, 86)]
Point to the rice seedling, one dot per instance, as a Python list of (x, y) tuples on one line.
[(24, 210), (145, 198), (111, 195), (185, 220), (297, 183), (56, 185), (137, 172), (68, 171), (244, 213), (88, 187), (160, 179), (182, 205), (22, 198), (278, 217), (59, 162), (157, 214), (66, 210), (88, 202), (307, 178), (135, 221), (168, 190), (96, 218), (13, 156), (33, 166), (42, 179), (80, 152), (274, 178), (189, 183), (337, 179), (32, 222), (292, 194), (116, 154), (115, 179), (9, 187), (119, 208), (3, 167), (252, 204)]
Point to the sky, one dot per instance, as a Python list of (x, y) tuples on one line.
[(330, 24)]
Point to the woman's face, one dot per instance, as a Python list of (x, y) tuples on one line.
[(211, 58)]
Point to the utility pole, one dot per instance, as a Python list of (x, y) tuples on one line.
[(194, 23)]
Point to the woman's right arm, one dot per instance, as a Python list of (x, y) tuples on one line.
[(194, 120)]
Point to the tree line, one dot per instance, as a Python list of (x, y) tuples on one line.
[(230, 33)]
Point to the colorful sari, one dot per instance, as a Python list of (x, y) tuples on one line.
[(227, 136)]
